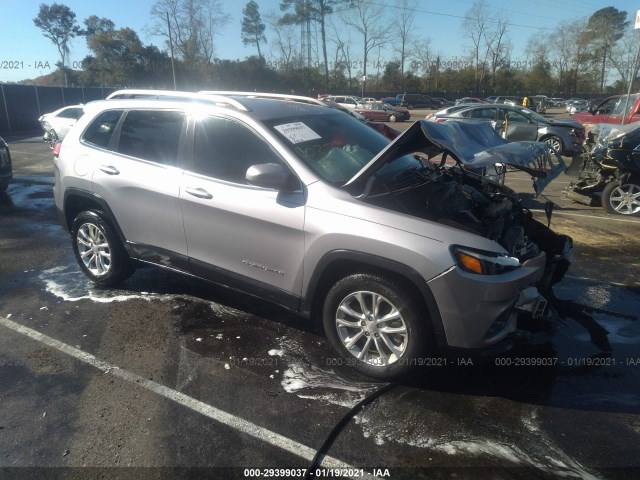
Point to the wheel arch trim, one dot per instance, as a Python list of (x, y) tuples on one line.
[(369, 261), (70, 196)]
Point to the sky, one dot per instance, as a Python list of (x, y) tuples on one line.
[(26, 53)]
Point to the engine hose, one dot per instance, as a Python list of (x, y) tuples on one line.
[(337, 429)]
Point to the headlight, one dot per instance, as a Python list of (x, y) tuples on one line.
[(484, 263)]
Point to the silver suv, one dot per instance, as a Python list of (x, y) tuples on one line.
[(401, 258)]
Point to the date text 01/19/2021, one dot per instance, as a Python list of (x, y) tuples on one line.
[(316, 473)]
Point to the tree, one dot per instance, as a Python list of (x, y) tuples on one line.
[(367, 18), (284, 40), (194, 27), (307, 11), (498, 45), (538, 75), (96, 25), (624, 58), (605, 28), (252, 26), (475, 26), (58, 24), (404, 22)]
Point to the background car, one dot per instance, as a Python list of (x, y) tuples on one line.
[(571, 101), (435, 116), (578, 106), (381, 112), (57, 124), (465, 100), (391, 101), (439, 102), (566, 136), (348, 101), (6, 172), (415, 100)]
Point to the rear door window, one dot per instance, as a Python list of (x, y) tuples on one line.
[(152, 135), (100, 130)]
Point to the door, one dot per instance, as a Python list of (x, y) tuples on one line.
[(139, 178), (246, 235), (519, 126)]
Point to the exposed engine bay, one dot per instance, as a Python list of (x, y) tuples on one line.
[(465, 193)]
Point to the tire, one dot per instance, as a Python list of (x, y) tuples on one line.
[(622, 199), (554, 142), (98, 249), (392, 118), (53, 138), (351, 327)]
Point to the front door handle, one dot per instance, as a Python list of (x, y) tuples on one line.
[(109, 169), (198, 192)]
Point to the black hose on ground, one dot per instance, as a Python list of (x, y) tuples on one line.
[(337, 429)]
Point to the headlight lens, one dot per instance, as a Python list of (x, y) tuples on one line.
[(484, 263)]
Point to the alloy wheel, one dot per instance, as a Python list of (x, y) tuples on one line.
[(94, 249), (371, 328), (625, 199)]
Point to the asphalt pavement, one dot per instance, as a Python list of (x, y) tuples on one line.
[(168, 377)]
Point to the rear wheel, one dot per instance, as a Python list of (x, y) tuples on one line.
[(374, 325), (623, 199), (98, 249), (52, 138)]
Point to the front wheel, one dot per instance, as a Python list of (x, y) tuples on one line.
[(98, 249), (374, 325), (623, 199), (554, 142), (393, 118)]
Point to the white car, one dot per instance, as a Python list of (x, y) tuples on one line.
[(348, 101), (57, 124)]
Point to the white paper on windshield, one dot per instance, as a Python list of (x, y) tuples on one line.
[(526, 110), (297, 132)]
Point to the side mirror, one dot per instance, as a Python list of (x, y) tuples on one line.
[(270, 175)]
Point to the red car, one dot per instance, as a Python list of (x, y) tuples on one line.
[(380, 112), (611, 111)]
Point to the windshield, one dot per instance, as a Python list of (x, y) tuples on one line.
[(620, 105), (334, 145)]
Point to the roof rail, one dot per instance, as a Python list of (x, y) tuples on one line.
[(275, 96), (218, 100)]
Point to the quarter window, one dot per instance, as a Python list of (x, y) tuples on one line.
[(225, 150), (152, 135)]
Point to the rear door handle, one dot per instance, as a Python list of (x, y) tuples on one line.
[(109, 169), (198, 192)]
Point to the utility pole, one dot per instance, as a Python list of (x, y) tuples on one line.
[(173, 68)]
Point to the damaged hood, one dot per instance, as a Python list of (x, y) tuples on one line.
[(474, 145)]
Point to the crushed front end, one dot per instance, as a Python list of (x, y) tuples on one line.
[(487, 296)]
